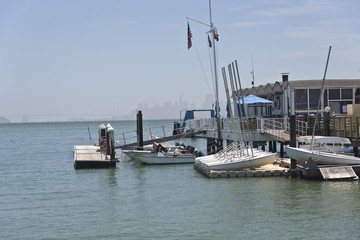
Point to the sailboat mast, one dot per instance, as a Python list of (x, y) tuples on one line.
[(213, 32), (320, 97)]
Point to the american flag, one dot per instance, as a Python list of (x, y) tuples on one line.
[(189, 37)]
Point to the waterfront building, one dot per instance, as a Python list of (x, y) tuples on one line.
[(301, 97)]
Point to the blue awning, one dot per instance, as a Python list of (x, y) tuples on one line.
[(251, 99)]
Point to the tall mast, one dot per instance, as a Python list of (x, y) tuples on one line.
[(213, 32)]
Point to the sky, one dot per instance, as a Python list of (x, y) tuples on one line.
[(101, 59)]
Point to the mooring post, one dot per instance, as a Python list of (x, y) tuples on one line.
[(263, 146), (210, 146), (220, 145), (270, 146), (281, 149), (176, 130), (356, 149), (326, 123), (293, 143), (274, 147), (139, 130)]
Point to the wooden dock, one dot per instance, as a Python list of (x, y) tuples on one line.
[(88, 156)]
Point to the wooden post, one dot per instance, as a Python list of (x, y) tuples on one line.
[(108, 150), (281, 149), (356, 151), (220, 145), (210, 146), (274, 147), (263, 146), (139, 130), (293, 143), (326, 123), (176, 130), (270, 146)]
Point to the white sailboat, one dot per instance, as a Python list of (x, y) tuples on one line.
[(237, 155), (319, 157), (303, 155), (327, 144)]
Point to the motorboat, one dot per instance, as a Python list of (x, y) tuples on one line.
[(159, 154)]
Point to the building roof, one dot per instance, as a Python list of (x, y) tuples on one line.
[(328, 83), (277, 87)]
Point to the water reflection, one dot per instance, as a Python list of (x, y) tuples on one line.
[(111, 174)]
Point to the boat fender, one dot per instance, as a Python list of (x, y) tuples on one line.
[(197, 153)]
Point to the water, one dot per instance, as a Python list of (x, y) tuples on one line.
[(43, 197)]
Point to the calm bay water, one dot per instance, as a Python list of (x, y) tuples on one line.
[(43, 197)]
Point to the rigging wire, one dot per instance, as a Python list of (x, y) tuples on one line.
[(202, 68)]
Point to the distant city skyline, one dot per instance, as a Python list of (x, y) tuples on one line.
[(70, 59), (168, 110)]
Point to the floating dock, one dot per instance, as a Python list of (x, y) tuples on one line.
[(88, 156), (269, 170)]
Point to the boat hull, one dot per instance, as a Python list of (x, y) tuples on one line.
[(160, 158), (323, 158), (259, 159)]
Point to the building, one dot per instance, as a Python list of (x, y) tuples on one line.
[(302, 96)]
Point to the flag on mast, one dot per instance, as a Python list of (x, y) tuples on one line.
[(216, 36), (189, 37), (210, 45)]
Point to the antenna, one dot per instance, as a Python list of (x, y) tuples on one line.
[(252, 71)]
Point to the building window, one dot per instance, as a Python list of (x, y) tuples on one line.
[(301, 100), (326, 104), (314, 95), (334, 94), (357, 95), (346, 93)]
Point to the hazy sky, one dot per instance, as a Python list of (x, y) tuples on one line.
[(83, 57)]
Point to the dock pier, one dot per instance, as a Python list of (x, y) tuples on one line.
[(101, 156)]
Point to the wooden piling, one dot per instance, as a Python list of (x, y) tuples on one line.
[(270, 146), (176, 130), (139, 129), (281, 149), (274, 150), (293, 143), (326, 123), (219, 145), (356, 150)]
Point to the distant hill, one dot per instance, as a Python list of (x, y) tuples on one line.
[(4, 120)]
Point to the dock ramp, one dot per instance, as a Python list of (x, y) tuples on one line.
[(341, 172)]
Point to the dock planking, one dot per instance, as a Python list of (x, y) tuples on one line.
[(88, 156)]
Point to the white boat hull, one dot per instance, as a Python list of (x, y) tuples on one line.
[(159, 158), (302, 155), (259, 159)]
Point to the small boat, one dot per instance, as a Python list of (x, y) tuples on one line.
[(323, 158), (165, 155), (339, 145), (232, 160)]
